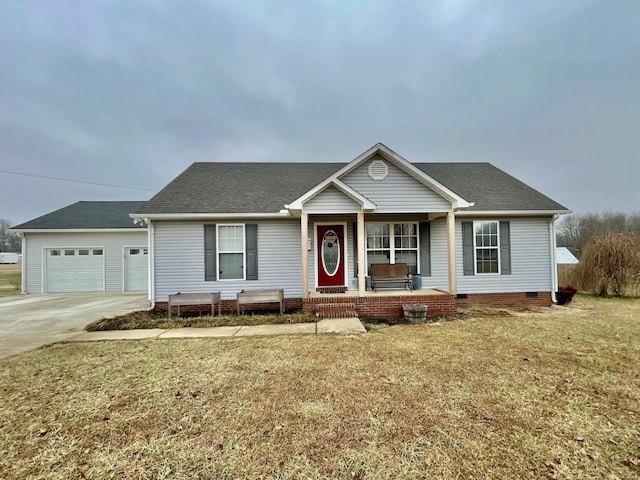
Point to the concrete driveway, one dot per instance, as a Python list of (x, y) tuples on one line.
[(30, 321)]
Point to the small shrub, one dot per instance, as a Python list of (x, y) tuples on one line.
[(564, 295)]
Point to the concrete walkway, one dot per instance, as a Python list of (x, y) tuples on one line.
[(333, 325)]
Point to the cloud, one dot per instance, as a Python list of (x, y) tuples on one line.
[(125, 92)]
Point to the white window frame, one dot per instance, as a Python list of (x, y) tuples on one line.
[(244, 252), (392, 241), (476, 248)]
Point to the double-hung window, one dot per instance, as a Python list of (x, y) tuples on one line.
[(231, 252), (486, 238), (392, 243)]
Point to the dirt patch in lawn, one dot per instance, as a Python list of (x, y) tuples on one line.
[(160, 319), (545, 394)]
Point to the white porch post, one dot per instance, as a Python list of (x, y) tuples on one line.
[(362, 267), (304, 239), (451, 252)]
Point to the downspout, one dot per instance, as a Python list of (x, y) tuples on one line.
[(23, 266), (152, 263), (554, 266)]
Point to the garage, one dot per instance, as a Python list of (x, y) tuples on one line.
[(74, 270), (85, 247), (136, 269)]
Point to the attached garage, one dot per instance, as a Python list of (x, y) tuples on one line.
[(85, 247)]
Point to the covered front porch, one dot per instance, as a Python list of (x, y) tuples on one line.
[(337, 252)]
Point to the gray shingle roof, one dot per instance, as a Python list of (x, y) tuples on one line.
[(488, 187), (267, 187), (238, 187), (87, 215)]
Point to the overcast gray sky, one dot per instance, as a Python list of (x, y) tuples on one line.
[(131, 92)]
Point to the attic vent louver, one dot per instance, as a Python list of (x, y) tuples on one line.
[(378, 170)]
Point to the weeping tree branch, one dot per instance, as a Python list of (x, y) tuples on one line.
[(610, 264)]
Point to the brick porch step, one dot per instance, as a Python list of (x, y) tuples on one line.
[(336, 310)]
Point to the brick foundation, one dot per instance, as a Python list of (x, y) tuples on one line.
[(388, 306), (518, 300)]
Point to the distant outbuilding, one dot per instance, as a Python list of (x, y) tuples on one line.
[(9, 257), (566, 264)]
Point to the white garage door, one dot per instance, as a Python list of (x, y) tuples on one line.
[(74, 270), (136, 269)]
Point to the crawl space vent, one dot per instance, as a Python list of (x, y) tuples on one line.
[(378, 170)]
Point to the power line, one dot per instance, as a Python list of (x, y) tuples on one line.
[(75, 181)]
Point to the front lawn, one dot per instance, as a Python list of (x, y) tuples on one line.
[(545, 394)]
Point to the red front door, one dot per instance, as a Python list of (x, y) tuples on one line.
[(330, 247)]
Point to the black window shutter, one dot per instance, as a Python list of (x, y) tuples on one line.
[(355, 249), (505, 248), (425, 249), (210, 273), (467, 248), (251, 240)]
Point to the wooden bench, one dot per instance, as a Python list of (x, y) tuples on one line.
[(195, 299), (390, 275), (260, 296)]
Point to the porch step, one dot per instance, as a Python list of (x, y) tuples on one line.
[(336, 310), (340, 289)]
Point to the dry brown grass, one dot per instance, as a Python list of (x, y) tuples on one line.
[(553, 393), (10, 274)]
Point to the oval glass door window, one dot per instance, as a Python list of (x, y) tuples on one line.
[(330, 253)]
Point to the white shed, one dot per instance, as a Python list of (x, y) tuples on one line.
[(566, 263), (9, 257), (565, 257)]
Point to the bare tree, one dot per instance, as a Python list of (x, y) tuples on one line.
[(9, 240), (576, 230)]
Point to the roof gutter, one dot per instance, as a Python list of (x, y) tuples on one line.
[(554, 265), (23, 265), (206, 216), (152, 264), (78, 230), (484, 213)]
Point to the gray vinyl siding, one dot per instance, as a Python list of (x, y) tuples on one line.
[(331, 200), (439, 260), (179, 253), (530, 260), (112, 242), (397, 193), (179, 260)]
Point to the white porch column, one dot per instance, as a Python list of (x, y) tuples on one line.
[(304, 239), (362, 266), (451, 252)]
